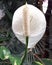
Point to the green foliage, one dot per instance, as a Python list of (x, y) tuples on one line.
[(7, 37), (4, 53), (9, 14), (36, 63), (47, 61), (4, 39), (15, 60)]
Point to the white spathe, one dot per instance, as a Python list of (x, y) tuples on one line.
[(37, 25), (45, 5)]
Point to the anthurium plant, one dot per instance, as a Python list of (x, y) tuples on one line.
[(31, 29)]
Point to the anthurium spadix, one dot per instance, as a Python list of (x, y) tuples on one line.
[(28, 21)]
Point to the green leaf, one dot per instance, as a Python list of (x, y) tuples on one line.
[(47, 61), (5, 38), (36, 63), (15, 60), (2, 39), (4, 53), (9, 14)]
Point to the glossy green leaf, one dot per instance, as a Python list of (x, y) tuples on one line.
[(4, 53), (15, 60), (36, 63)]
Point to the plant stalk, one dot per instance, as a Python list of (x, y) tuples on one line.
[(25, 50)]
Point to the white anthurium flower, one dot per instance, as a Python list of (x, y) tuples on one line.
[(45, 5), (29, 20)]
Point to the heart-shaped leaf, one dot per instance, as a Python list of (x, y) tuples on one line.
[(4, 53), (15, 60)]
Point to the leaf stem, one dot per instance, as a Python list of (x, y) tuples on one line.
[(25, 50)]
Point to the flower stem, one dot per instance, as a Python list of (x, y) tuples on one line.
[(25, 50)]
